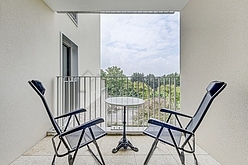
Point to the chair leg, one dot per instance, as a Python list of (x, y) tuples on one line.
[(70, 159), (101, 162), (196, 161), (182, 158), (154, 145), (54, 157), (99, 152)]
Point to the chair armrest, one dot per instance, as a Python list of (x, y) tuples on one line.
[(174, 112), (71, 113), (168, 126), (83, 126)]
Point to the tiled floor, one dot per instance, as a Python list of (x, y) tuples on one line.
[(42, 154)]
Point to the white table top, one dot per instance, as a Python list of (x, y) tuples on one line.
[(124, 101)]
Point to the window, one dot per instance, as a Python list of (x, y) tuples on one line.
[(69, 71), (66, 61), (69, 57)]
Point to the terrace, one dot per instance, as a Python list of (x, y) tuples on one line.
[(213, 46)]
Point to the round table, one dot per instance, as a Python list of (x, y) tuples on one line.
[(124, 101)]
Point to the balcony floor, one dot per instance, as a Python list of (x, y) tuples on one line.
[(42, 153)]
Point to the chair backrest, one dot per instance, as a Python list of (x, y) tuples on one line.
[(213, 89), (40, 90)]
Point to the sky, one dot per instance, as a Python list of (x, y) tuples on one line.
[(141, 43)]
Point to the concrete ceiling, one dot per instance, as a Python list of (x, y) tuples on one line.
[(92, 6)]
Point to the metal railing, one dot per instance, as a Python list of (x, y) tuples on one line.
[(90, 92)]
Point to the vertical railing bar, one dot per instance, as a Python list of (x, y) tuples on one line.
[(79, 96), (116, 80), (175, 97), (95, 99), (170, 98), (127, 89), (127, 111), (69, 93), (138, 107), (143, 107), (106, 106), (175, 94), (85, 95), (148, 108), (153, 107), (116, 94), (112, 95), (58, 99), (90, 97), (63, 98), (169, 92), (138, 83), (100, 99), (131, 107), (73, 97), (164, 80), (158, 98), (111, 112)]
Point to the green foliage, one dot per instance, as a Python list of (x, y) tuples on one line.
[(115, 81), (163, 97), (151, 81), (172, 78), (158, 92), (151, 109), (137, 77), (168, 92), (138, 89)]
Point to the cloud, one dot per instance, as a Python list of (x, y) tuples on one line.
[(141, 43)]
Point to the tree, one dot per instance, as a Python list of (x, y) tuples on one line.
[(151, 110), (151, 81), (137, 77), (171, 78), (170, 94), (138, 89), (158, 92), (115, 71), (103, 73), (115, 81)]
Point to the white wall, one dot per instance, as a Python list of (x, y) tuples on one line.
[(30, 49), (214, 46), (90, 41)]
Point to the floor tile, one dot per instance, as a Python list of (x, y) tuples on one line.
[(42, 153)]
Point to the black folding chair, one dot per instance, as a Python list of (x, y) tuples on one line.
[(183, 139), (73, 138)]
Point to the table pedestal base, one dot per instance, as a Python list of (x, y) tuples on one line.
[(124, 143), (124, 101)]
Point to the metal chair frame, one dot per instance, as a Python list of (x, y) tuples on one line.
[(172, 134), (88, 129)]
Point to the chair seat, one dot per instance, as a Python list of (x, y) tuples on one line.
[(73, 138), (152, 130)]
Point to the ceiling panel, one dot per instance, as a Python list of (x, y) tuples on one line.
[(115, 5)]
